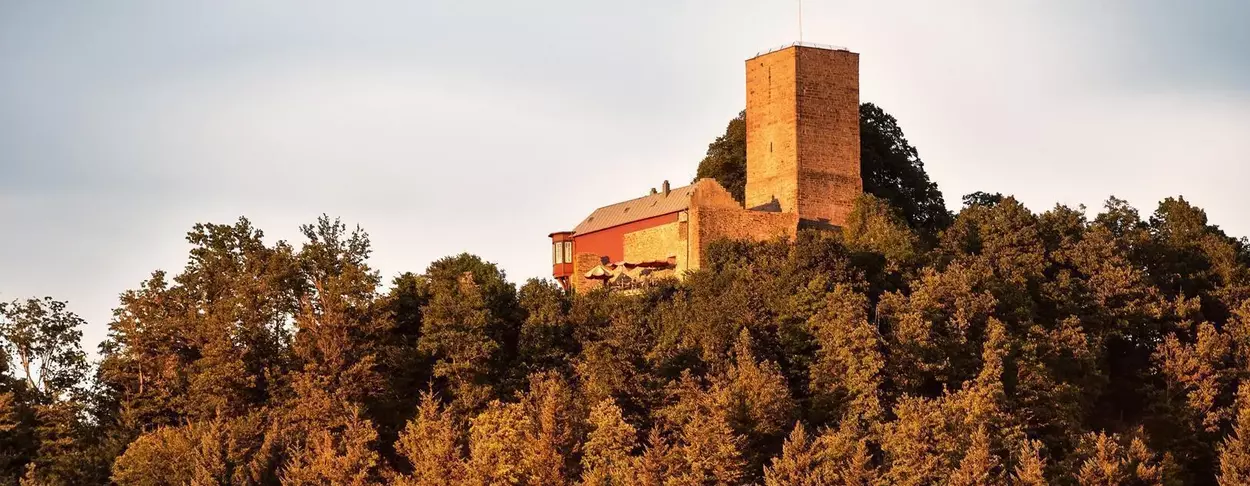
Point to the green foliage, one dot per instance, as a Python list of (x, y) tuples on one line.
[(726, 159), (214, 340), (1235, 450), (1018, 348), (546, 340), (708, 451), (874, 227), (1114, 459), (890, 166), (497, 445), (430, 444), (219, 451), (342, 454), (892, 170), (44, 431), (15, 440), (469, 329), (980, 198), (611, 441), (556, 424), (62, 456), (798, 464), (42, 338), (847, 373), (1031, 468)]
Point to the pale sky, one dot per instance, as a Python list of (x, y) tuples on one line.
[(482, 126)]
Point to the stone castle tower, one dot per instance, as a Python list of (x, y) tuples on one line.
[(802, 122)]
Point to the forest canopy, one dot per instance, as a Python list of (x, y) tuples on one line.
[(913, 347)]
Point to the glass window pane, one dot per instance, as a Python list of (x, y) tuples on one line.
[(568, 252), (555, 253)]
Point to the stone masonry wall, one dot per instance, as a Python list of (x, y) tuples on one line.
[(710, 194), (803, 132), (582, 263), (828, 133), (658, 244), (675, 239), (710, 224), (772, 146)]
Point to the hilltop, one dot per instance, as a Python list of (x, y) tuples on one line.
[(911, 346)]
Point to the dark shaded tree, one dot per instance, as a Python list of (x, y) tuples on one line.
[(889, 165), (726, 159)]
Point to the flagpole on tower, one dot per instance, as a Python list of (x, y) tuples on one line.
[(800, 21)]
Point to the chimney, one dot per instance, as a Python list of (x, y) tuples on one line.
[(664, 187), (653, 191)]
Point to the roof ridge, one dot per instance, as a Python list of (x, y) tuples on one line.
[(644, 196)]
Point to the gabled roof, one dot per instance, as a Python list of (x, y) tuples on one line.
[(659, 204)]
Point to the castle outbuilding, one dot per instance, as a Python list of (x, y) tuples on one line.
[(802, 131)]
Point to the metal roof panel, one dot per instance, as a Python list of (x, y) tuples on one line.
[(650, 206)]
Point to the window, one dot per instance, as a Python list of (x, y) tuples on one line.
[(561, 252)]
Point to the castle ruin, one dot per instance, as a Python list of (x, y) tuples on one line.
[(803, 170)]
